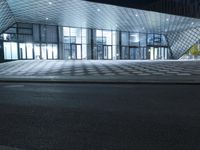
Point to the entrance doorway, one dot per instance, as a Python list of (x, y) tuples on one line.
[(134, 53), (76, 51), (104, 52), (107, 51), (158, 53), (26, 50)]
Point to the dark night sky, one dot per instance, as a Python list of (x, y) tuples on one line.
[(127, 3)]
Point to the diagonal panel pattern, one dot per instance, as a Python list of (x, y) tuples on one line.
[(6, 17), (79, 13), (180, 42)]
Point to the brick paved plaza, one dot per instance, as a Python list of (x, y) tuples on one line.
[(96, 69)]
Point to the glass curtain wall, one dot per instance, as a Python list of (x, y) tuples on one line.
[(35, 41), (30, 41), (106, 45), (157, 47), (141, 46), (10, 51), (75, 43)]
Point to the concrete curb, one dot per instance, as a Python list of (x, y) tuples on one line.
[(103, 79)]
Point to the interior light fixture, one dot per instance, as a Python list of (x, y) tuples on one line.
[(167, 19), (47, 18), (136, 15), (98, 9), (192, 23), (50, 3)]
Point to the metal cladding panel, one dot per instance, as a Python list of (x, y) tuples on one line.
[(180, 42), (6, 17), (79, 13)]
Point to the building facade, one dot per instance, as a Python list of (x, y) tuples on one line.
[(38, 41)]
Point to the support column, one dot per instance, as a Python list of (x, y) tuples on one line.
[(1, 51)]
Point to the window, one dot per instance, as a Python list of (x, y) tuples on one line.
[(10, 51), (107, 36), (134, 39), (124, 38)]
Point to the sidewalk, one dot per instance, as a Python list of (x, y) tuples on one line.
[(101, 71)]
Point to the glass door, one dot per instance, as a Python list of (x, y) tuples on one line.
[(26, 50), (135, 53), (76, 51), (99, 51), (125, 52), (79, 52), (37, 51), (107, 52), (22, 48)]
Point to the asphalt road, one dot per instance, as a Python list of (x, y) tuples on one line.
[(99, 116)]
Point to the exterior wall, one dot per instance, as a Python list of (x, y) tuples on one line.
[(180, 42), (60, 41), (6, 17), (32, 40), (1, 51), (93, 43)]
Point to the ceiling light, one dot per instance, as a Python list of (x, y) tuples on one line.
[(192, 23), (167, 19), (50, 3), (98, 9), (47, 18), (136, 15)]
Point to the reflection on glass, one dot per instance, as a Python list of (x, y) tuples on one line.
[(14, 50), (79, 51), (151, 53), (29, 48), (109, 52), (22, 48), (135, 53), (66, 31), (7, 51), (66, 39), (142, 39), (150, 39), (114, 38), (44, 51), (99, 51), (37, 51), (99, 33), (124, 38), (108, 37), (84, 51), (73, 51), (157, 39), (125, 52), (163, 40), (10, 50), (76, 33), (134, 39), (49, 51), (84, 36), (166, 53), (55, 51), (114, 56)]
